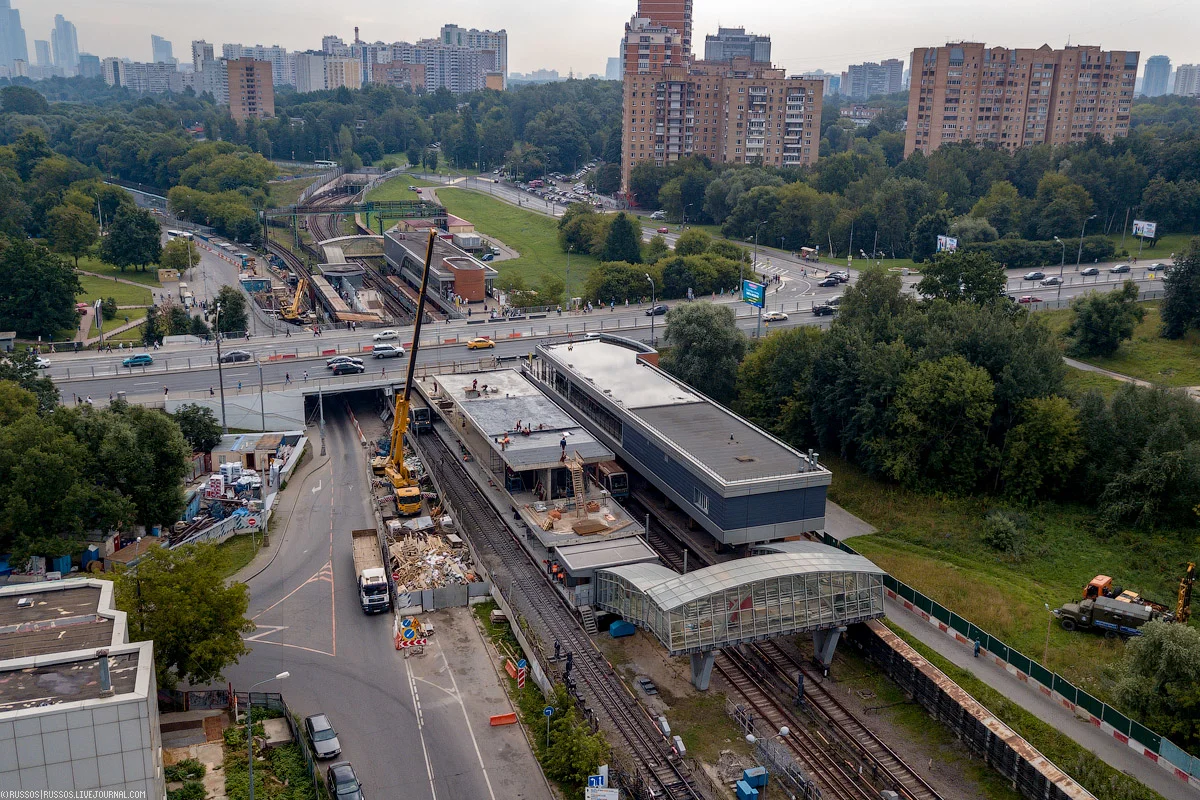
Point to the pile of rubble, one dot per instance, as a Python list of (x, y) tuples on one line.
[(427, 555)]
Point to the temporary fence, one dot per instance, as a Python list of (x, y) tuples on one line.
[(1157, 748), (275, 702)]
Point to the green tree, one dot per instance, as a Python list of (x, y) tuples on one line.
[(179, 322), (774, 383), (923, 238), (1002, 207), (623, 242), (179, 253), (963, 276), (413, 154), (656, 249), (692, 243), (108, 308), (1158, 681), (20, 367), (132, 240), (199, 427), (23, 100), (1102, 320), (72, 231), (704, 348), (1181, 293), (1042, 449), (178, 600), (37, 290), (233, 317), (551, 290), (939, 436), (431, 160), (151, 328)]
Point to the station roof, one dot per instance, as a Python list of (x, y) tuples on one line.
[(445, 253), (728, 447), (587, 556), (57, 620)]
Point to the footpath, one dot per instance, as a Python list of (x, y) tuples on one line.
[(844, 525)]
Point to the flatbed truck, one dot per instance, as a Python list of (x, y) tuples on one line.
[(369, 572)]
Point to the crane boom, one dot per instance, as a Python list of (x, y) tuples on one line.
[(1183, 603)]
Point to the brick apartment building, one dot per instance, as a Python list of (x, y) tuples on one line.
[(970, 92), (738, 111), (251, 92)]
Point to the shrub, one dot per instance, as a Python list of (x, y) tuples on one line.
[(1005, 531), (191, 790), (183, 770)]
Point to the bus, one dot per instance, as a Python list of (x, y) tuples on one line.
[(612, 478), (326, 163)]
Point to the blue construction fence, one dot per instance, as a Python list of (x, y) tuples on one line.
[(1145, 737)]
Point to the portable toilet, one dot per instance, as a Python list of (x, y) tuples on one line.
[(61, 565), (755, 776), (746, 792)]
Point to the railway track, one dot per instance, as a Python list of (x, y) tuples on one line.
[(660, 772)]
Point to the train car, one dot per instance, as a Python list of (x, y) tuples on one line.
[(614, 479)]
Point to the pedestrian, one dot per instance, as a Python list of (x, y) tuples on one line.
[(239, 386), (210, 391), (977, 648), (383, 371), (90, 402), (287, 378), (165, 392), (110, 397), (306, 376)]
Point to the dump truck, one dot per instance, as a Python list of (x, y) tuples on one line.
[(369, 571), (1113, 617)]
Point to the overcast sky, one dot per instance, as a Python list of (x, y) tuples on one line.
[(580, 35)]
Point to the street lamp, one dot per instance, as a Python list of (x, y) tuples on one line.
[(1061, 265), (220, 372), (783, 732), (685, 210), (755, 265), (262, 409), (652, 308), (250, 722), (1046, 652), (1079, 257), (569, 249)]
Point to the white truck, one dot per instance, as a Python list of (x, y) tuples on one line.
[(369, 571)]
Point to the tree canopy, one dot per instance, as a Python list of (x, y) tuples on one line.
[(704, 347)]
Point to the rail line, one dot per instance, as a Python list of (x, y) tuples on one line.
[(661, 773)]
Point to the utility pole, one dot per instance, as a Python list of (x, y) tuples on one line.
[(653, 308), (321, 409), (1079, 256), (261, 407), (220, 371)]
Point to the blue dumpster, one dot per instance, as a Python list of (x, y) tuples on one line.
[(621, 628)]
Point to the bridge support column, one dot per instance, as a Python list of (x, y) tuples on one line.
[(702, 665), (824, 643)]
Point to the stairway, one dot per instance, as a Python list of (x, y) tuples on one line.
[(576, 467), (589, 620)]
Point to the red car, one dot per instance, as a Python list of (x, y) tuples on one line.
[(1028, 298), (664, 229)]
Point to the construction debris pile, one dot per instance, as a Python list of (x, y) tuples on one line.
[(427, 554)]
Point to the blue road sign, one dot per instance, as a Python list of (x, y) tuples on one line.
[(753, 293), (410, 633), (595, 781), (548, 711), (522, 664)]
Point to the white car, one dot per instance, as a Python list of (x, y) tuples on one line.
[(384, 336), (774, 316), (42, 363)]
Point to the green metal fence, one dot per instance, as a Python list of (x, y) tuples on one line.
[(1140, 734)]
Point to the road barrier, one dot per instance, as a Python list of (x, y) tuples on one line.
[(503, 719)]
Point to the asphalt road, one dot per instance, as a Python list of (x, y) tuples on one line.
[(342, 662)]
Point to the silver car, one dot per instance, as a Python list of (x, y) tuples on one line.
[(324, 737)]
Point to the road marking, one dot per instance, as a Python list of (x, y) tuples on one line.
[(466, 718), (317, 488), (420, 726), (147, 383), (325, 573)]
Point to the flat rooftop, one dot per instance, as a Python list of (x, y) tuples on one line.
[(56, 621), (721, 441), (587, 557), (66, 681), (415, 243)]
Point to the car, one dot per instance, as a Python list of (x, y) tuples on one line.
[(774, 316), (234, 356), (1159, 266), (488, 257), (348, 368), (664, 229), (657, 311), (412, 188), (387, 351), (834, 302), (1089, 271), (1053, 280), (1028, 298), (385, 335), (324, 737), (333, 362), (42, 363), (841, 275), (342, 782), (140, 360), (1034, 276), (417, 189), (82, 308), (1119, 268), (829, 280), (822, 310), (480, 343)]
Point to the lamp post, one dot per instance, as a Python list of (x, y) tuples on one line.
[(220, 371), (685, 210), (1046, 652), (1079, 256), (261, 407), (1061, 265), (756, 230), (569, 249), (250, 722), (652, 308)]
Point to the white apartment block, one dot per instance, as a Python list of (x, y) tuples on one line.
[(1187, 80), (283, 63)]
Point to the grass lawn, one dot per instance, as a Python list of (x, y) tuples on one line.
[(1080, 382), (935, 544), (102, 288), (1162, 249), (236, 552), (93, 264), (286, 193), (1147, 355), (134, 314)]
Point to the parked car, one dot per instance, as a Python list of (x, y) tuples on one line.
[(1034, 276), (1119, 268), (822, 310), (343, 783), (233, 356), (324, 737), (333, 362), (348, 368), (664, 229), (140, 360), (387, 351), (1053, 280), (828, 280), (82, 308), (657, 311), (841, 275), (488, 257), (1028, 298), (479, 343), (385, 335), (659, 215), (1089, 271), (774, 316)]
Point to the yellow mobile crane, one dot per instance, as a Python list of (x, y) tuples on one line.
[(291, 313), (1183, 602), (408, 492)]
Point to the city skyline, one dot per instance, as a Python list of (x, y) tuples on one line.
[(122, 28)]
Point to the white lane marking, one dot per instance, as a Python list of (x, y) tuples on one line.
[(147, 383), (420, 726), (466, 718), (316, 488)]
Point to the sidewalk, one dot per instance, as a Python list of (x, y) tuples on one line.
[(1120, 756)]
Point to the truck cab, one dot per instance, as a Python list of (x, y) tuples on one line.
[(373, 590)]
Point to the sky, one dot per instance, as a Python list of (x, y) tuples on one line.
[(572, 35)]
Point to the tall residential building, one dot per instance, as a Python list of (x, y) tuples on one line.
[(13, 46), (494, 44), (310, 72), (64, 42), (833, 83), (251, 89), (343, 71), (400, 75), (283, 63), (861, 81), (140, 77), (161, 51), (731, 43), (1156, 77), (213, 79), (201, 51), (112, 69), (969, 92), (334, 46), (1187, 80), (458, 69), (89, 65), (612, 70), (42, 57), (674, 14)]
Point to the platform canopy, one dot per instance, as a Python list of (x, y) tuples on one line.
[(745, 600)]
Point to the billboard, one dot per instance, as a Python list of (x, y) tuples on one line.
[(947, 244), (1144, 229), (754, 293)]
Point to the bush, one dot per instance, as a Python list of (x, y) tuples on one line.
[(1025, 254), (108, 308), (191, 790), (1005, 531), (183, 770)]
